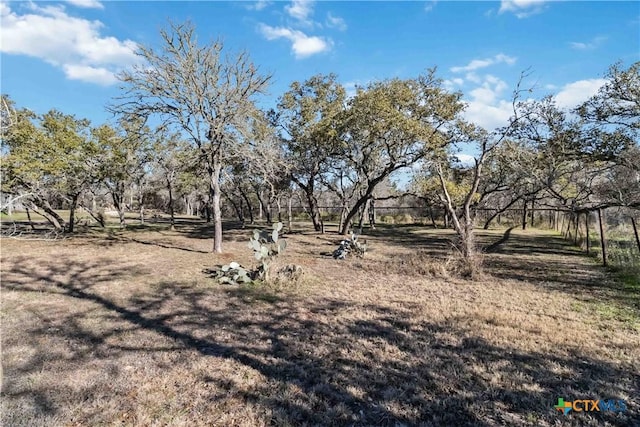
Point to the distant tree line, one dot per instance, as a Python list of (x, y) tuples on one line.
[(189, 137)]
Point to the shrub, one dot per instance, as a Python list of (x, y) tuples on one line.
[(387, 219), (404, 218)]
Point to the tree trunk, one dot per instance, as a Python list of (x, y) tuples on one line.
[(524, 215), (187, 205), (354, 211), (249, 207), (98, 216), (266, 209), (279, 206), (214, 173), (497, 214), (577, 220), (117, 197), (433, 220), (72, 212), (171, 211), (236, 208), (343, 215), (602, 239), (363, 212), (635, 232), (141, 206), (269, 212), (289, 214), (207, 208), (533, 212), (33, 227), (314, 210), (48, 212), (372, 214)]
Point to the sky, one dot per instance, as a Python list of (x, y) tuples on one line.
[(66, 54)]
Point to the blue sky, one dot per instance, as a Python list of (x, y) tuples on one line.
[(64, 54)]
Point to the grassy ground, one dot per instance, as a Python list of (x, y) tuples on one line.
[(123, 327)]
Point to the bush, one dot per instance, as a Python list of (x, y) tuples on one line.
[(422, 264), (387, 219), (404, 218)]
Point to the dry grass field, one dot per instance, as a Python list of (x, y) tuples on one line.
[(125, 328)]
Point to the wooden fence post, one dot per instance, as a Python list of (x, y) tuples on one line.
[(533, 212), (602, 240), (586, 224)]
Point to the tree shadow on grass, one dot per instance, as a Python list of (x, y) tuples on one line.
[(325, 362), (553, 263)]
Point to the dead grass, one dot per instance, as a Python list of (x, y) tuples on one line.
[(124, 328)]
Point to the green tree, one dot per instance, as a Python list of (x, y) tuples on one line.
[(307, 116), (391, 125), (124, 153), (46, 156), (72, 157)]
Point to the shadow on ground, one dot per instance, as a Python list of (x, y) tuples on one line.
[(373, 367)]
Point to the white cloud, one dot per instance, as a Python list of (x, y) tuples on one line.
[(259, 5), (336, 22), (486, 108), (575, 93), (89, 4), (302, 45), (522, 8), (594, 43), (473, 77), (429, 5), (451, 84), (87, 73), (477, 64), (489, 116), (73, 44), (466, 159), (300, 10)]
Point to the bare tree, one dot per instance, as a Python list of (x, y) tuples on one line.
[(201, 91)]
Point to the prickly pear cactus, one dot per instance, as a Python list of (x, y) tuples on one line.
[(233, 273), (266, 245)]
